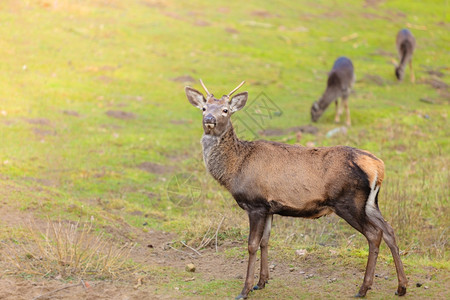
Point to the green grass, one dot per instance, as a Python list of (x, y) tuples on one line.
[(90, 57)]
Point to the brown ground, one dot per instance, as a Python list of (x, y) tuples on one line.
[(118, 114), (152, 250)]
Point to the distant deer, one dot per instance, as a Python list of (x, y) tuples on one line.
[(339, 84), (267, 178), (406, 43)]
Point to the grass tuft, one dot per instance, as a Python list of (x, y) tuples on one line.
[(68, 250)]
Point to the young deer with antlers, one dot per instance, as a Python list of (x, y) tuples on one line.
[(267, 178), (406, 43), (339, 84)]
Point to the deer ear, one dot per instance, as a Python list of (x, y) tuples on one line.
[(195, 97), (238, 101)]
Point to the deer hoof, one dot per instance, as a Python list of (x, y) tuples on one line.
[(240, 296), (260, 286), (362, 293), (401, 291)]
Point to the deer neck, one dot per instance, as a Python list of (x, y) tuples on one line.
[(331, 94), (221, 155)]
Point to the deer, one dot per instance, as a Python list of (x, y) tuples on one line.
[(267, 178), (339, 84), (406, 43)]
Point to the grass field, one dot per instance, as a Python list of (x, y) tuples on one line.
[(95, 128)]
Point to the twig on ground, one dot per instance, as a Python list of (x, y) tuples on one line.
[(83, 284), (189, 279), (204, 237), (289, 237), (178, 250), (57, 290), (139, 283), (350, 239), (191, 248), (217, 231)]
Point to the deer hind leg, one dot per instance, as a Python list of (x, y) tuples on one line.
[(347, 109), (264, 274), (354, 215), (373, 236), (377, 219), (337, 115), (257, 221), (413, 77)]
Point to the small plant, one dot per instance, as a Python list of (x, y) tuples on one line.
[(68, 250)]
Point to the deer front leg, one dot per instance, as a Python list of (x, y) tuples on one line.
[(264, 274), (257, 220)]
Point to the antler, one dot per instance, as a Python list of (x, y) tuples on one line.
[(203, 85), (231, 93)]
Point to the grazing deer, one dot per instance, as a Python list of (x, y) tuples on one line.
[(339, 84), (267, 178), (406, 43)]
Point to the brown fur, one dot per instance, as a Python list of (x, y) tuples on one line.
[(372, 167), (267, 178), (406, 44), (311, 173), (339, 83)]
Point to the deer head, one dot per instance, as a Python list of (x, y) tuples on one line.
[(316, 111), (216, 112), (399, 72)]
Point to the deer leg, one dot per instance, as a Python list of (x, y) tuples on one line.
[(264, 274), (352, 215), (257, 220), (389, 237), (338, 113), (373, 236), (347, 110), (413, 77)]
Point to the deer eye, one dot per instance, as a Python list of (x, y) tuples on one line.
[(225, 110), (204, 108)]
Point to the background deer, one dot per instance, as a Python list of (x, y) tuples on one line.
[(406, 43), (267, 178), (339, 84)]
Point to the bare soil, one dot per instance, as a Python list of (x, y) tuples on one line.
[(435, 83), (38, 121), (231, 30), (309, 271), (378, 80), (71, 113), (184, 78), (119, 114), (277, 131), (262, 14), (154, 168)]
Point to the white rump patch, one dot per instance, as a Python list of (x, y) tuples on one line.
[(372, 186), (370, 204)]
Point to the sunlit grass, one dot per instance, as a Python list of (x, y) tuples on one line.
[(66, 63)]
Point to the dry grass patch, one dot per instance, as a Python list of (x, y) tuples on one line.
[(66, 250)]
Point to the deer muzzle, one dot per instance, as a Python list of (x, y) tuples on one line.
[(209, 121)]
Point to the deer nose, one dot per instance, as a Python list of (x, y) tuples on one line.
[(209, 121)]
